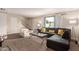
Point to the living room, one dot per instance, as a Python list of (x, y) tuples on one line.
[(35, 29)]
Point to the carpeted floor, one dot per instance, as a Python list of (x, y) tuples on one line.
[(26, 44), (32, 44), (74, 46)]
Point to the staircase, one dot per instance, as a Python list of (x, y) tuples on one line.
[(27, 26)]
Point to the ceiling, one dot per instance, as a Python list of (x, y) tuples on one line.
[(35, 12)]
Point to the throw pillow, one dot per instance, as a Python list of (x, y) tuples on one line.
[(61, 32), (52, 31), (43, 29)]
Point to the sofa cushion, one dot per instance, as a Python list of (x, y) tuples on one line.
[(60, 32), (58, 38)]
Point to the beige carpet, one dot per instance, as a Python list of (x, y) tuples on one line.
[(74, 46), (26, 44), (33, 44)]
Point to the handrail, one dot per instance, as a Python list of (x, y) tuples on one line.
[(26, 26)]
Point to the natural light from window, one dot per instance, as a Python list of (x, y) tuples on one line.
[(49, 22)]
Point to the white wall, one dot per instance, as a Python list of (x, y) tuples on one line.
[(10, 24), (3, 24), (15, 24), (27, 22), (36, 21), (75, 30)]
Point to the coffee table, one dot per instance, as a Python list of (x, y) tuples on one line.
[(40, 35)]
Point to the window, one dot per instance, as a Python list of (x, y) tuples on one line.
[(49, 22)]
